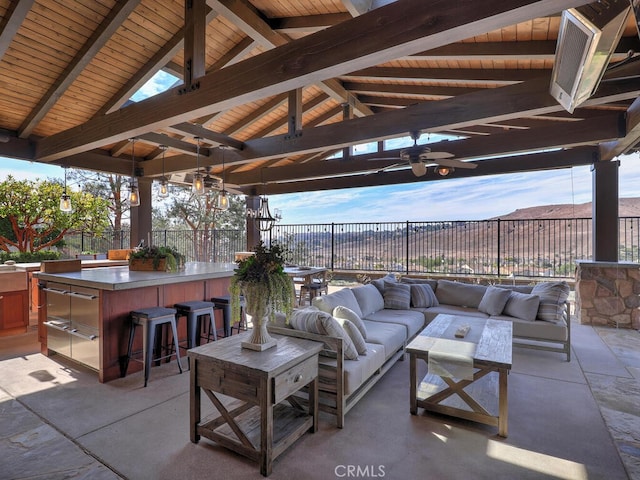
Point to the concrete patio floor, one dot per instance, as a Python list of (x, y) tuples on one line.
[(577, 420)]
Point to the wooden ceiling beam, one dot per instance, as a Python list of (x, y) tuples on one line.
[(586, 155), (307, 23), (409, 90), (610, 150), (243, 16), (348, 46), (11, 21), (516, 50), (216, 138), (467, 76), (115, 18), (573, 134)]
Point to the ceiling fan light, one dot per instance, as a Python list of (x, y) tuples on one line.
[(419, 169), (444, 171)]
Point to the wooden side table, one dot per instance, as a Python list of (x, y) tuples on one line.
[(261, 425)]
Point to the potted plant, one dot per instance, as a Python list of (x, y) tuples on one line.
[(156, 258), (267, 289)]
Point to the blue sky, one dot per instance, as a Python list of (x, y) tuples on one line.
[(454, 199)]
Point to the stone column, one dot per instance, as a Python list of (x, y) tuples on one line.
[(608, 294)]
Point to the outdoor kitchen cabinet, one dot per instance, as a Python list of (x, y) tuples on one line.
[(14, 303), (64, 306)]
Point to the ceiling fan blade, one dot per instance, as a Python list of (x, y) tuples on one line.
[(451, 162), (436, 155)]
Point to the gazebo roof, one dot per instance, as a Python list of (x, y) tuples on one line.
[(284, 85)]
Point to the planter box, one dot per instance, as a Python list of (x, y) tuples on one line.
[(120, 254), (146, 265)]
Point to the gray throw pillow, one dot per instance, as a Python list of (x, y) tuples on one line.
[(422, 296), (397, 296), (316, 321), (494, 300), (522, 305), (354, 334), (552, 297), (379, 283)]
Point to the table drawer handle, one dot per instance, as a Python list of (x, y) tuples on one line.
[(297, 378)]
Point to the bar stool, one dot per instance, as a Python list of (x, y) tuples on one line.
[(223, 303), (194, 310), (150, 319)]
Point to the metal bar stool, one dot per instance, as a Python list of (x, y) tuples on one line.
[(223, 303), (194, 310), (150, 319)]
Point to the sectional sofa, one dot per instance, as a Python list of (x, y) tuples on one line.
[(364, 329)]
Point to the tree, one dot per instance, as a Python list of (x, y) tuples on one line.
[(200, 215), (33, 220), (111, 187)]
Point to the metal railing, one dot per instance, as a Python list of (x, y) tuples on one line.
[(201, 245), (504, 248)]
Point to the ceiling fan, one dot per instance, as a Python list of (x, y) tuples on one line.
[(417, 156)]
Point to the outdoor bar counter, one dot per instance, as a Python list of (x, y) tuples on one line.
[(112, 292)]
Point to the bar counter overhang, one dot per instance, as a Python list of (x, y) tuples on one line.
[(119, 291)]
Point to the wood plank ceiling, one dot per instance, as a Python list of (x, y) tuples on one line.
[(283, 85)]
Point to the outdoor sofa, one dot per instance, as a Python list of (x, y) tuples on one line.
[(364, 329)]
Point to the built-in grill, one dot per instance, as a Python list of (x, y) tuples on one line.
[(72, 322)]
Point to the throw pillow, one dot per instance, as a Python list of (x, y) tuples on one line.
[(316, 321), (345, 313), (354, 335), (552, 297), (397, 296), (522, 305), (369, 299), (459, 294), (422, 296), (494, 300), (379, 283)]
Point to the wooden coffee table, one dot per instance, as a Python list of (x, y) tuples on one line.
[(492, 353)]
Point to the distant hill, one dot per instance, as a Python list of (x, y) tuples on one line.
[(627, 207)]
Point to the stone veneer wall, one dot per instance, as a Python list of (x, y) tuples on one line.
[(608, 294)]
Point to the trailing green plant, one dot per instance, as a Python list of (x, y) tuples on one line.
[(266, 287), (174, 259)]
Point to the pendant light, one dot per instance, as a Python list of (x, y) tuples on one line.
[(134, 194), (223, 199), (198, 181), (164, 183), (65, 199)]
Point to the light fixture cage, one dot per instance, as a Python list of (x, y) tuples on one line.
[(65, 199), (164, 182), (262, 217), (198, 179), (134, 193)]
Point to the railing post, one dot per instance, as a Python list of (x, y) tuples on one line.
[(499, 238), (333, 244), (407, 250)]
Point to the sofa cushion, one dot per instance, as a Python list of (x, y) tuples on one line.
[(422, 296), (552, 295), (391, 335), (344, 297), (432, 312), (312, 320), (459, 294), (522, 305), (397, 296), (355, 373), (412, 320), (369, 299), (348, 314), (379, 282), (494, 300), (354, 335), (538, 329)]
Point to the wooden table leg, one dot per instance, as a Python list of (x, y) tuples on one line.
[(266, 429), (194, 401), (313, 403), (413, 401), (503, 403)]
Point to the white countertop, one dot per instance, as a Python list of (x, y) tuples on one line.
[(120, 278), (592, 263)]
